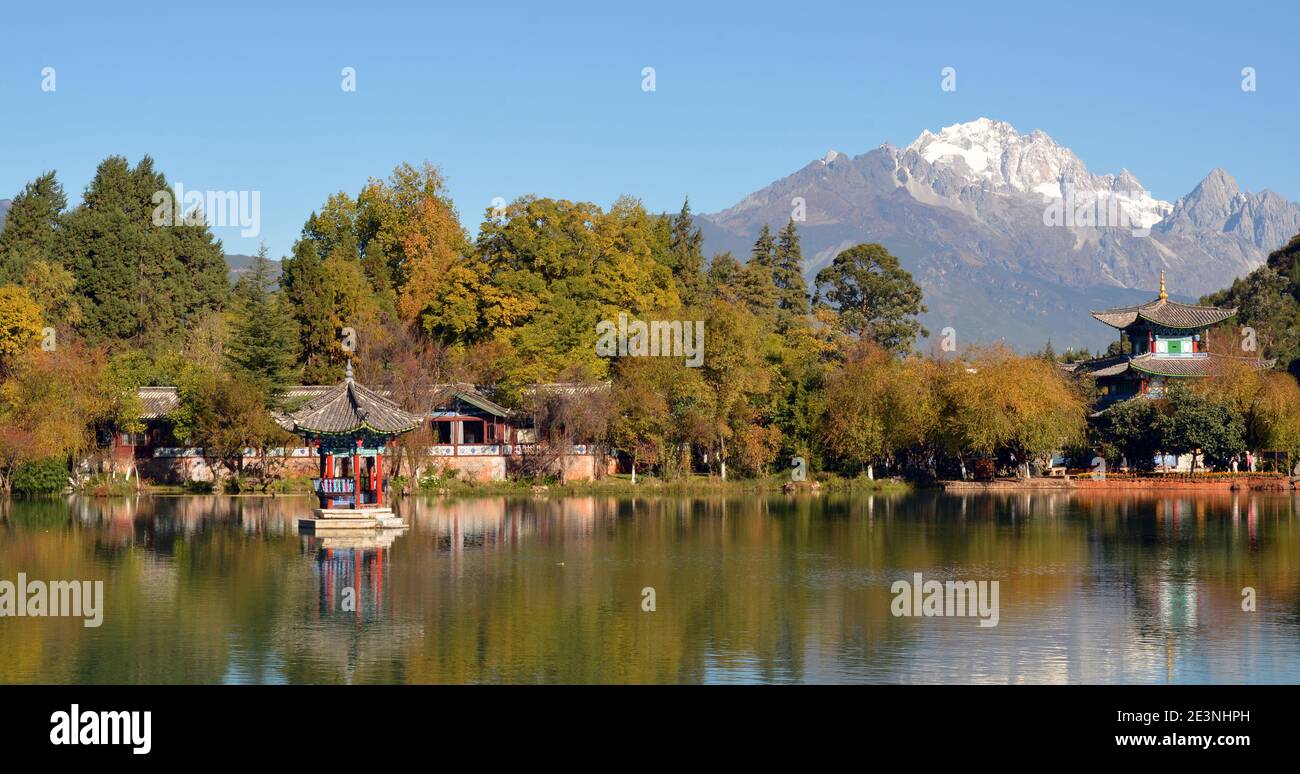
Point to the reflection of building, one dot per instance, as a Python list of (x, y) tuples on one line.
[(1165, 340)]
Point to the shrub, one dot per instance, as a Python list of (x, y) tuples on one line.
[(45, 476)]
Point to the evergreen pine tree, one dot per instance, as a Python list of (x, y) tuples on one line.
[(760, 292), (1048, 353), (305, 286), (787, 274), (139, 281), (684, 247), (764, 252), (31, 227), (263, 340), (725, 277)]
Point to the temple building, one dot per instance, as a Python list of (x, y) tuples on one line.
[(460, 429), (1164, 340)]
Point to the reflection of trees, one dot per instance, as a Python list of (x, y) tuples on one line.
[(205, 589)]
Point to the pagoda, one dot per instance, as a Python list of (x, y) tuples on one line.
[(349, 426), (1166, 341)]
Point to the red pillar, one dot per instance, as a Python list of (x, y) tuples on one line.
[(379, 477), (356, 474), (329, 478)]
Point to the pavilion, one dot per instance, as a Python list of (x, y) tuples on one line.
[(1163, 341), (349, 426)]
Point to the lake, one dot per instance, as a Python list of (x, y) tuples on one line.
[(1092, 588)]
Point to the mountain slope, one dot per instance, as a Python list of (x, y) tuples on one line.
[(1010, 235)]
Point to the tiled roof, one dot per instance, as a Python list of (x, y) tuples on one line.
[(1162, 311), (1191, 366), (1161, 365), (444, 395), (350, 407), (157, 402), (1101, 366)]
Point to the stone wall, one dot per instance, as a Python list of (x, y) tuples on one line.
[(187, 467)]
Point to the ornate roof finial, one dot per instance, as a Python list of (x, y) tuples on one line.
[(1163, 295), (347, 375)]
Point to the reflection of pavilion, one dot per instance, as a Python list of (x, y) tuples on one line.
[(351, 573)]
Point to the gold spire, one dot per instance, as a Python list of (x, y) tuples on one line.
[(1163, 295)]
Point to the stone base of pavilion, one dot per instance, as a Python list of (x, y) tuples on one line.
[(332, 520)]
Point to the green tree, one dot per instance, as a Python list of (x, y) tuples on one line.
[(1198, 424), (263, 341), (764, 250), (874, 296), (307, 289), (787, 274), (144, 271), (225, 414), (1268, 301), (1127, 431), (31, 227), (687, 257)]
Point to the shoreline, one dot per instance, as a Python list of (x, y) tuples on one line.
[(1247, 482), (707, 486)]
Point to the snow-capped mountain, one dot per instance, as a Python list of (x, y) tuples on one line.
[(1010, 234), (994, 156)]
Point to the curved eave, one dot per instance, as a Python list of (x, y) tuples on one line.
[(301, 430), (1153, 372), (1194, 368), (1116, 324), (1206, 317), (1191, 326)]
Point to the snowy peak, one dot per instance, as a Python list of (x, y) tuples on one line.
[(994, 156)]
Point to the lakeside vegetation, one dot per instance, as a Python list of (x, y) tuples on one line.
[(98, 300)]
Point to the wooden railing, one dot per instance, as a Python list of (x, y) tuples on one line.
[(335, 486)]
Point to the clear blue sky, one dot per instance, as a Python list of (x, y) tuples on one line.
[(514, 98)]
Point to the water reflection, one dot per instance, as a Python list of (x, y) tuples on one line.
[(1094, 588)]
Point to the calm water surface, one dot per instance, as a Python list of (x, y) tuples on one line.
[(1093, 589)]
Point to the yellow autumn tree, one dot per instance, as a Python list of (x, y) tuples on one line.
[(996, 400), (20, 323)]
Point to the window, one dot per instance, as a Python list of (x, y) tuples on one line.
[(473, 430), (443, 430)]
